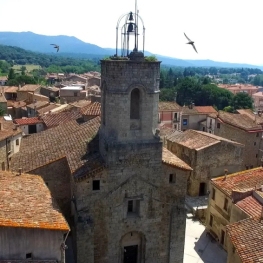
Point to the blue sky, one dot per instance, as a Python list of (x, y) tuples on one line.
[(225, 30)]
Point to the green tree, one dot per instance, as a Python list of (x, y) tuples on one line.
[(23, 70), (2, 111), (242, 100), (11, 74)]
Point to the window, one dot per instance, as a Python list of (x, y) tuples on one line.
[(185, 121), (211, 220), (17, 141), (222, 239), (256, 155), (203, 128), (133, 208), (175, 115), (75, 94), (213, 194), (28, 255), (8, 146), (255, 143), (159, 117), (96, 185), (210, 125), (257, 135), (172, 178), (135, 104), (218, 125), (225, 204)]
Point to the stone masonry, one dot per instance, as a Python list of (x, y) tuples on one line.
[(132, 210)]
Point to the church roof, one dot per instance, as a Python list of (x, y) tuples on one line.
[(172, 160), (69, 139)]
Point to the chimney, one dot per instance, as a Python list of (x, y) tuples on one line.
[(19, 171)]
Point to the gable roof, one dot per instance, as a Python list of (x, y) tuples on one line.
[(205, 109), (28, 121), (69, 139), (197, 140), (170, 159), (93, 109), (241, 121), (251, 206), (47, 108), (56, 118), (11, 89), (168, 106), (25, 201), (241, 181), (246, 236), (38, 104), (255, 117), (29, 87), (7, 129)]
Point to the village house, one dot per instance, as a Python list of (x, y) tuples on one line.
[(47, 109), (51, 92), (23, 93), (3, 80), (93, 81), (169, 114), (34, 107), (91, 111), (233, 198), (30, 125), (17, 109), (237, 88), (192, 116), (32, 228), (258, 100), (3, 102), (239, 128), (11, 92), (209, 156), (72, 93), (10, 140)]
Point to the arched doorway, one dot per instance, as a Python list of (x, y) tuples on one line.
[(133, 247)]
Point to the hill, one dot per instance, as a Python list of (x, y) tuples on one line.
[(73, 47)]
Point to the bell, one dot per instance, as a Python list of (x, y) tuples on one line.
[(131, 17), (130, 28)]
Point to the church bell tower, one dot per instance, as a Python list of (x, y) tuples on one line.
[(130, 90)]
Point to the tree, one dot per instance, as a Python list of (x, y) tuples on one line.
[(2, 111), (242, 100), (11, 74), (23, 70)]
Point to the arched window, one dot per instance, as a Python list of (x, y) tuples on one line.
[(135, 104)]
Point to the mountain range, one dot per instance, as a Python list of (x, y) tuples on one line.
[(73, 47)]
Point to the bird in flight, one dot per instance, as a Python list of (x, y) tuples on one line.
[(55, 46), (191, 42)]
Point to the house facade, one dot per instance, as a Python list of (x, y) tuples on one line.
[(209, 156), (32, 228), (233, 198), (239, 128), (30, 125)]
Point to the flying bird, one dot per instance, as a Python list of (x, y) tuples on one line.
[(191, 42), (55, 46)]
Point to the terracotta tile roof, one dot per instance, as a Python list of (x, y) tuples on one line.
[(18, 104), (188, 111), (69, 139), (197, 140), (171, 159), (246, 236), (168, 106), (47, 109), (25, 201), (251, 206), (258, 94), (29, 87), (57, 118), (38, 104), (3, 78), (80, 103), (7, 129), (28, 121), (166, 131), (255, 117), (205, 109), (241, 181), (50, 89), (241, 121), (93, 109), (11, 89)]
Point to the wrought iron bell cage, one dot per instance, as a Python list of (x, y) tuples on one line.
[(132, 22)]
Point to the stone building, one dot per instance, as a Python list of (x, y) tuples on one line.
[(234, 198), (209, 156), (240, 128), (32, 228)]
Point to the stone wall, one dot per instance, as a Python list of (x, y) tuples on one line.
[(251, 140), (57, 178), (209, 162)]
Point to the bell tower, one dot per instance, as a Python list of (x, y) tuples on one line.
[(130, 90)]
